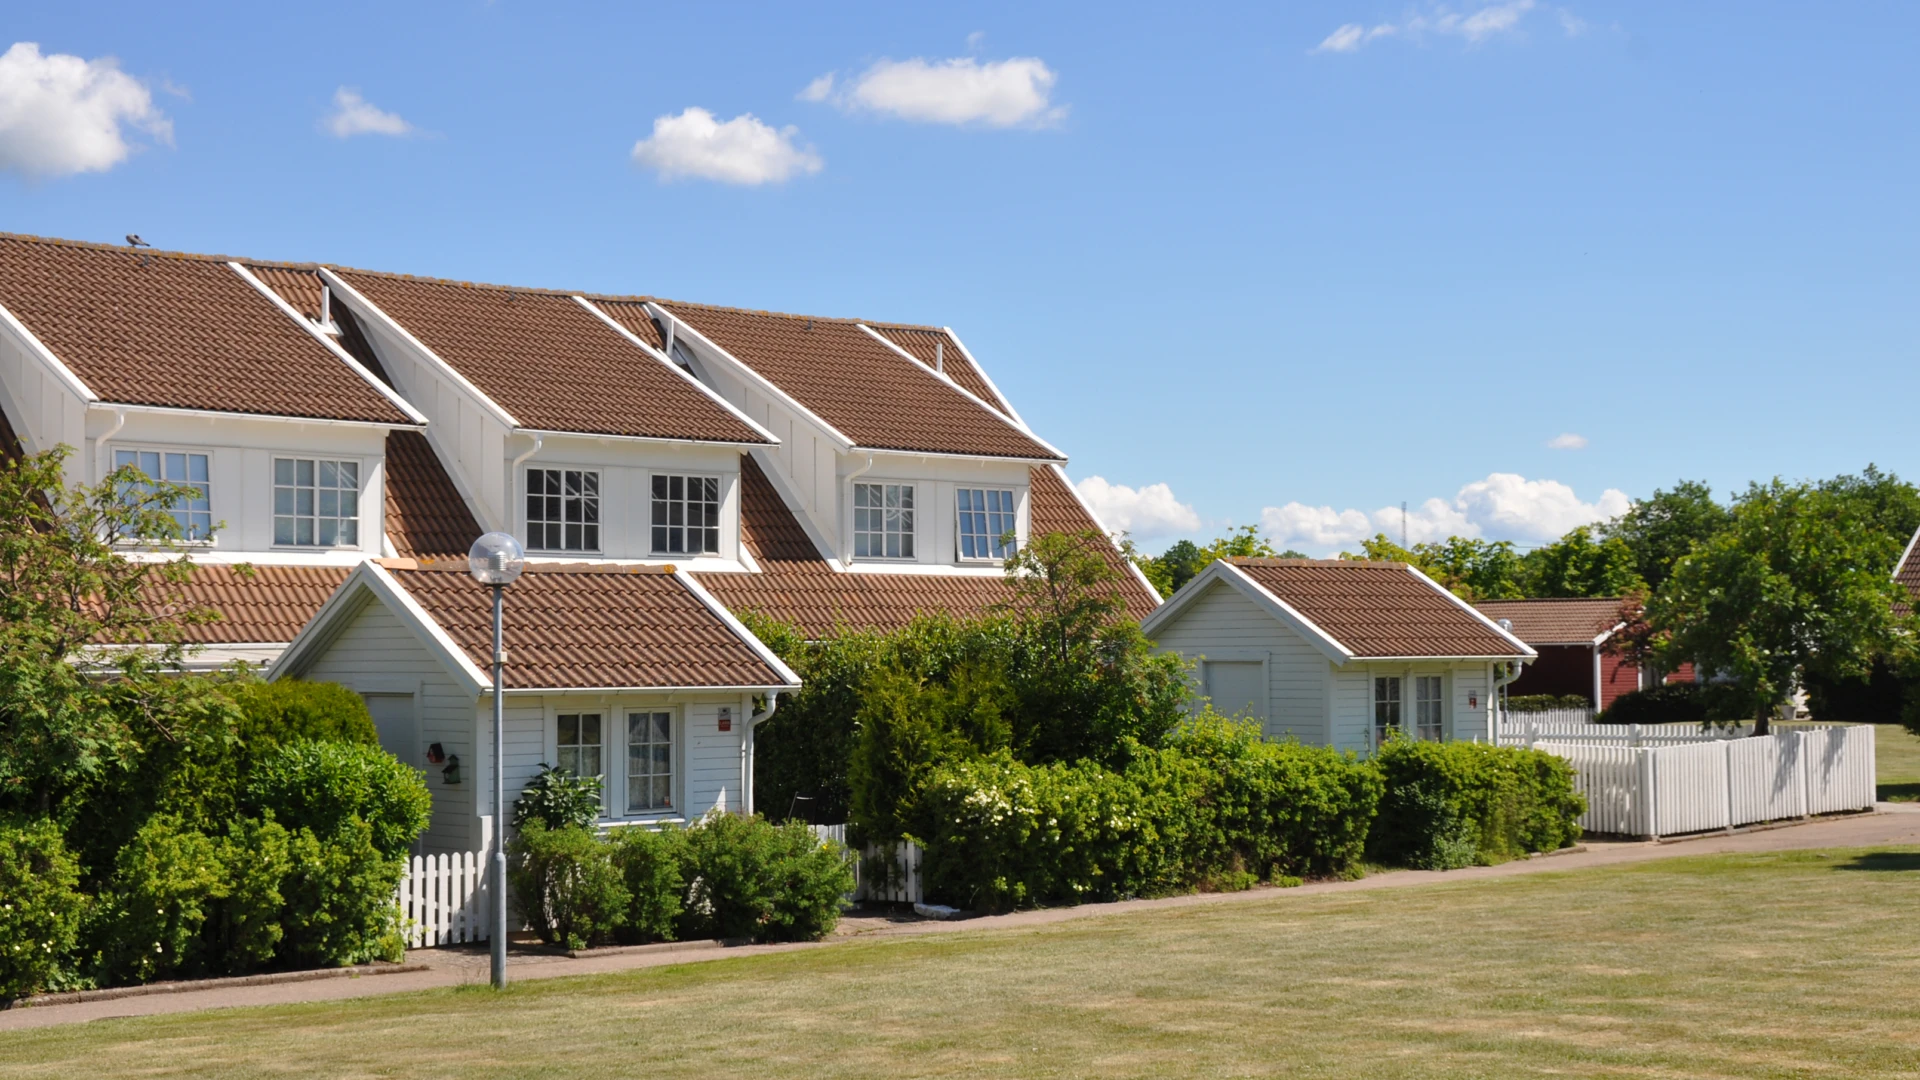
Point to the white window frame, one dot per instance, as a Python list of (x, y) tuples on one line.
[(186, 529), (318, 461), (613, 756), (1417, 720), (991, 538), (597, 498), (908, 533), (719, 503), (1398, 700)]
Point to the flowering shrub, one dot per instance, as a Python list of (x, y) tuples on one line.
[(40, 908)]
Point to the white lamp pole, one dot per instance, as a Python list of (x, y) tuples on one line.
[(495, 560)]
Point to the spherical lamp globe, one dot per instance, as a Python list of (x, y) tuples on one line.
[(496, 559)]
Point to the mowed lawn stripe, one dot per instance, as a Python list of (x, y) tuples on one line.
[(1794, 964)]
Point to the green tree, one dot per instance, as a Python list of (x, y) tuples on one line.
[(1881, 502), (1184, 559), (1577, 564), (1662, 529), (1472, 569), (1796, 584)]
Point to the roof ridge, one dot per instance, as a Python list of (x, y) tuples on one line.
[(124, 249)]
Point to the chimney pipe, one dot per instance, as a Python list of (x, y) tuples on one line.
[(326, 305), (940, 356)]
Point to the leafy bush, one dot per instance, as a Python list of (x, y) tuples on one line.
[(243, 929), (275, 714), (339, 899), (1453, 804), (325, 786), (1673, 703), (1544, 702), (566, 883), (147, 923), (907, 725), (558, 799), (40, 906), (748, 878), (649, 867)]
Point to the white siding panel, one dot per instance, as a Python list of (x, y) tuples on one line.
[(1225, 623)]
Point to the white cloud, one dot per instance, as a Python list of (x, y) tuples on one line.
[(1504, 506), (354, 115), (60, 114), (1573, 24), (1567, 441), (1001, 93), (1147, 511), (1472, 26), (742, 150)]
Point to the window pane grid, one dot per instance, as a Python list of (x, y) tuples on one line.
[(316, 502), (578, 746), (883, 521), (987, 522), (563, 510), (686, 515), (1428, 707), (193, 513), (1386, 708), (649, 761)]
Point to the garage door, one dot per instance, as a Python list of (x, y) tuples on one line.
[(1237, 687)]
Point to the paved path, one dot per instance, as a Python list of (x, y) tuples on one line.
[(1895, 824)]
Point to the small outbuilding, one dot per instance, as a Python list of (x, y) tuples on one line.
[(1571, 635), (633, 674), (1339, 652)]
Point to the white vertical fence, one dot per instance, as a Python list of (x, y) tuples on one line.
[(888, 874), (443, 899), (1667, 790), (1519, 718)]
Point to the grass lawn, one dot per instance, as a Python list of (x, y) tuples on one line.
[(1798, 964), (1897, 755)]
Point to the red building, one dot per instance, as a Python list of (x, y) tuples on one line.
[(1571, 636)]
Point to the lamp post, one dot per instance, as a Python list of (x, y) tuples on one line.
[(495, 560)]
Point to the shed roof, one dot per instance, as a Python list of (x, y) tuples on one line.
[(256, 604), (1378, 610), (1557, 621), (179, 331), (551, 363)]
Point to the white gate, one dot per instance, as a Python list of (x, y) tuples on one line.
[(443, 899), (884, 873)]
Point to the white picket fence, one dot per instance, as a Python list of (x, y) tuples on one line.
[(1516, 717), (1524, 729), (1671, 789), (443, 899), (887, 875)]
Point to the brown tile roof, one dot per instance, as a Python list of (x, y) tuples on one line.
[(270, 604), (1556, 621), (1908, 572), (177, 331), (870, 393), (591, 627), (924, 343), (426, 517), (300, 287), (797, 586), (548, 361), (1376, 609)]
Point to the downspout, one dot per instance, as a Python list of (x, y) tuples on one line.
[(846, 541), (1499, 694), (746, 749), (513, 475), (100, 444), (1597, 703)]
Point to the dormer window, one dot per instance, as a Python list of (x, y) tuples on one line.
[(987, 519), (316, 502), (883, 521), (193, 513), (686, 515), (563, 510), (683, 356)]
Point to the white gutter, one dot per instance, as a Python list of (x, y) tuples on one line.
[(513, 475), (100, 445), (662, 439), (333, 346), (228, 414)]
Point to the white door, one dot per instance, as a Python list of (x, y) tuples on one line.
[(1237, 687), (393, 719)]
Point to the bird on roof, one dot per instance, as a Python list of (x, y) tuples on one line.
[(133, 240)]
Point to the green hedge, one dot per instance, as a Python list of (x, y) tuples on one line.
[(42, 910), (1543, 702), (1453, 804)]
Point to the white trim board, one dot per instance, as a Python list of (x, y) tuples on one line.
[(667, 361), (970, 395), (359, 304), (39, 349), (746, 371), (332, 346)]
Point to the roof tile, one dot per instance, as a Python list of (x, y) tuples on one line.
[(426, 517), (1556, 621), (1377, 609)]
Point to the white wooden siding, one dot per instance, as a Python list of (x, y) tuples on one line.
[(1225, 624), (374, 652)]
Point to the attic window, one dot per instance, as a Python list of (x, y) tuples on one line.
[(683, 356)]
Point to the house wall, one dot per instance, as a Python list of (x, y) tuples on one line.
[(375, 653), (42, 408), (626, 494), (1560, 669)]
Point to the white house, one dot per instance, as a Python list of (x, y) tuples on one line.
[(632, 674), (1339, 652)]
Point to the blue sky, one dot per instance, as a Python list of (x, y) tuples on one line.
[(1296, 264)]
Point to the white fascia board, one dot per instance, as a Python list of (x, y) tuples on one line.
[(746, 636), (1220, 570), (516, 691), (45, 355), (208, 414), (1005, 402), (1526, 651), (361, 305), (970, 395), (766, 385), (678, 372), (1601, 638), (1102, 526), (1904, 555), (1030, 462), (1424, 658), (374, 579), (602, 437), (333, 346), (790, 499)]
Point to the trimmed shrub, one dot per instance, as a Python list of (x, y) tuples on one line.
[(1673, 703), (325, 786), (41, 907), (275, 714), (558, 799), (243, 928), (566, 884), (649, 866), (147, 924), (1453, 804), (339, 899), (907, 725), (748, 878), (1544, 702)]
